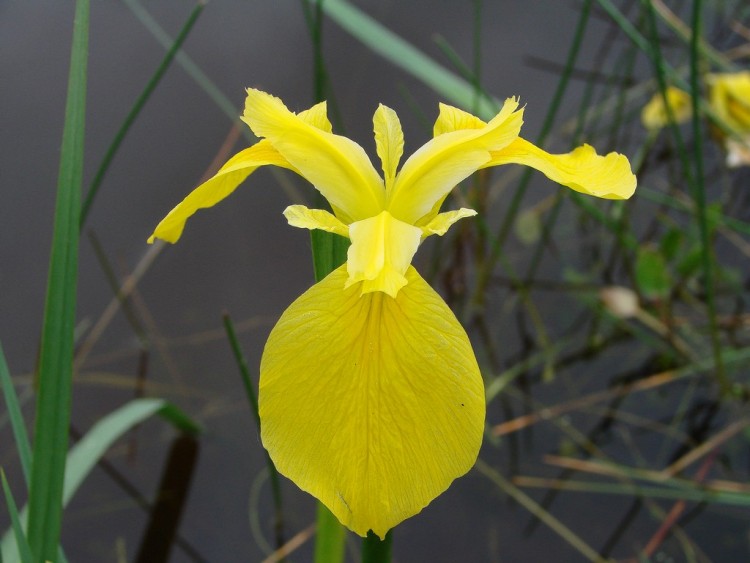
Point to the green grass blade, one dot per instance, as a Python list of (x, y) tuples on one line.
[(252, 398), (699, 195), (84, 456), (136, 110), (21, 543), (56, 358), (404, 55), (16, 418), (188, 65)]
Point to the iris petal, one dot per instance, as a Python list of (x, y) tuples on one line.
[(371, 404), (337, 167), (389, 141), (305, 218), (218, 187), (230, 176), (443, 221), (582, 170), (381, 251), (435, 169)]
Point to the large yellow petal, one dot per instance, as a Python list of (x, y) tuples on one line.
[(374, 405), (338, 167), (435, 169), (218, 187), (582, 170), (381, 251), (389, 141)]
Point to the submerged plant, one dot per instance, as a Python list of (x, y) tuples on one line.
[(371, 398)]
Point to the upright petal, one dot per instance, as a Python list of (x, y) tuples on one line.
[(374, 405), (337, 167), (218, 187), (435, 169), (389, 141), (381, 252), (582, 170)]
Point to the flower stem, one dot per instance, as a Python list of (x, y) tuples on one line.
[(375, 550)]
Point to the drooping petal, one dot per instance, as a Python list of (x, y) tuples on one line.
[(443, 221), (305, 218), (381, 251), (337, 167), (218, 187), (389, 141), (371, 404), (229, 176), (436, 168), (582, 170)]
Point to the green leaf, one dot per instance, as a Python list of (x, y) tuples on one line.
[(16, 418), (21, 543), (56, 354), (670, 244), (84, 456), (651, 274)]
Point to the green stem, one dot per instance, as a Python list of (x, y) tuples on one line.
[(699, 194), (375, 550)]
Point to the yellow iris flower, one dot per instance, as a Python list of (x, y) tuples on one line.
[(370, 395), (729, 96), (655, 116)]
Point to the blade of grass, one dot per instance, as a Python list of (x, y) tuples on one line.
[(56, 357), (253, 400), (136, 109), (17, 424), (404, 55), (206, 84), (698, 495), (699, 195), (84, 456), (529, 504), (21, 543)]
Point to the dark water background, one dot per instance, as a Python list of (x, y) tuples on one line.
[(242, 257)]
